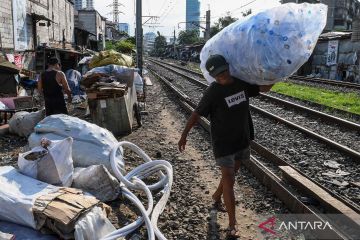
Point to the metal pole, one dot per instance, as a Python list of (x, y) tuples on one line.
[(207, 29), (174, 43), (139, 38)]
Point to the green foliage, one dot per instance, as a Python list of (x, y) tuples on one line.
[(159, 45), (349, 102), (188, 37), (123, 46), (222, 23), (131, 40)]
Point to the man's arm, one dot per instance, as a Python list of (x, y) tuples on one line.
[(194, 118), (265, 88), (60, 77), (40, 85)]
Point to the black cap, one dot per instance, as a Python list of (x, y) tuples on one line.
[(53, 61), (216, 64)]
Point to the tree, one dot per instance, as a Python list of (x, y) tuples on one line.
[(188, 37), (222, 23), (159, 45), (123, 46)]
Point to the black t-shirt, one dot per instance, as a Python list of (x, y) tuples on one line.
[(231, 123)]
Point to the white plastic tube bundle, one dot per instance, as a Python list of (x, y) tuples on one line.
[(269, 46), (133, 181)]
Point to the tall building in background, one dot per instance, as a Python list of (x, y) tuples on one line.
[(124, 27), (149, 41), (80, 4), (341, 13), (192, 14), (90, 4)]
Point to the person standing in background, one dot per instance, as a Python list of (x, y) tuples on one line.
[(52, 83)]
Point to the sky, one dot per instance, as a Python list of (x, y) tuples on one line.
[(172, 12)]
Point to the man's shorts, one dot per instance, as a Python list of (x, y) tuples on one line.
[(229, 160)]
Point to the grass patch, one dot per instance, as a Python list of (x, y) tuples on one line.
[(349, 102)]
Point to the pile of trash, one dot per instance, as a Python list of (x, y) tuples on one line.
[(72, 168), (108, 80), (269, 46), (109, 57)]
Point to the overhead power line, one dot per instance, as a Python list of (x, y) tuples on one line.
[(234, 10)]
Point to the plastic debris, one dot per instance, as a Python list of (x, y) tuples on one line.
[(269, 46), (332, 164), (339, 184)]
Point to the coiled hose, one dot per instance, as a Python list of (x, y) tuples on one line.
[(133, 181)]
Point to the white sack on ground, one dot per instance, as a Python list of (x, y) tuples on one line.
[(98, 181), (52, 164), (92, 144), (269, 46), (93, 225), (23, 123), (18, 194)]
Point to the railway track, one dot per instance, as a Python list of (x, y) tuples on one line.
[(270, 178), (326, 81), (294, 77)]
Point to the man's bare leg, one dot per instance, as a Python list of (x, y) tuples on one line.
[(228, 180), (219, 191)]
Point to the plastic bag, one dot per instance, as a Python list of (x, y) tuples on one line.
[(121, 74), (92, 144), (139, 84), (17, 195), (93, 226), (53, 164), (23, 123), (269, 46), (110, 57), (98, 181)]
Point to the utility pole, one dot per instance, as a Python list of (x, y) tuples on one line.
[(139, 37), (207, 28)]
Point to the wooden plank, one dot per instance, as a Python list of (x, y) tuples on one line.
[(331, 204)]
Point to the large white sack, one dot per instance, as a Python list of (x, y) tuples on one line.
[(23, 123), (98, 181), (92, 144), (18, 194), (53, 164), (269, 46), (93, 226)]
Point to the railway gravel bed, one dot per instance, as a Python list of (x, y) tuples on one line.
[(338, 133), (305, 153)]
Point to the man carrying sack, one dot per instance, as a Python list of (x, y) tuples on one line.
[(226, 101)]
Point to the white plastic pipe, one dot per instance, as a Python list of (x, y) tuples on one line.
[(133, 181)]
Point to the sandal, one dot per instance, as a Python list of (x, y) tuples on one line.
[(232, 233), (219, 206)]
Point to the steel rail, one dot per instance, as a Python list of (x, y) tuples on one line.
[(259, 170), (325, 81)]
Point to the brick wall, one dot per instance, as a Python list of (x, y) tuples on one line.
[(6, 28)]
